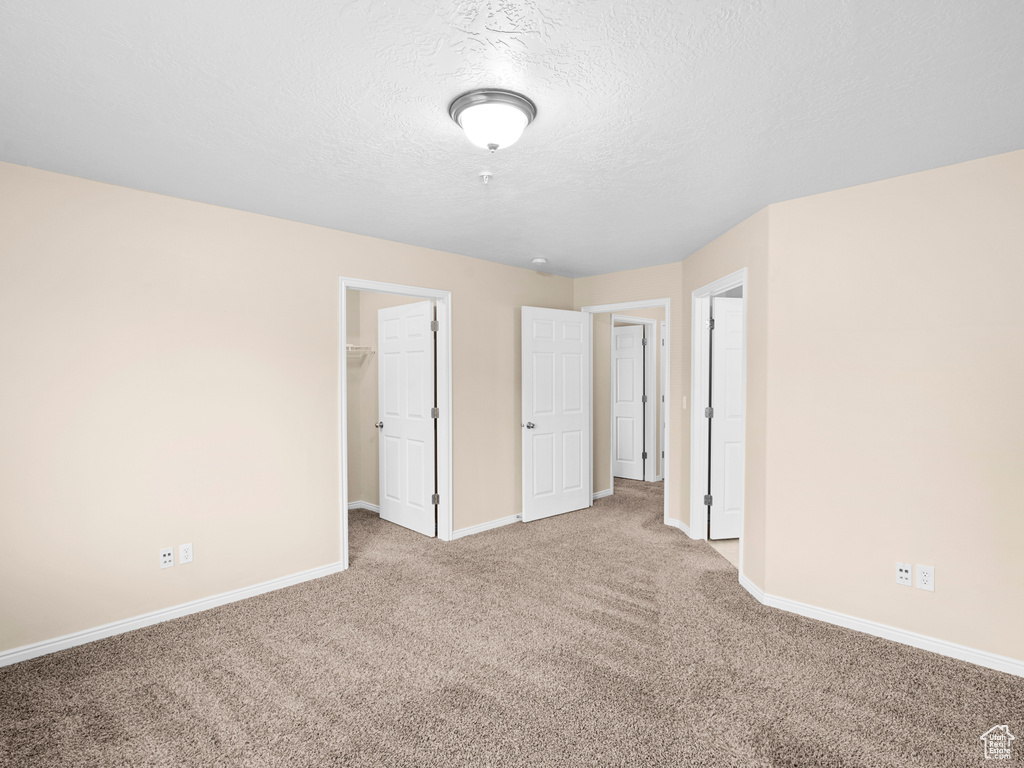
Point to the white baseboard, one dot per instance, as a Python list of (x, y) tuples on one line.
[(941, 647), (44, 647), (678, 524), (602, 494), (485, 526), (364, 505)]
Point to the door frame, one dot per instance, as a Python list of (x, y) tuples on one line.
[(650, 410), (625, 307), (445, 486), (699, 370)]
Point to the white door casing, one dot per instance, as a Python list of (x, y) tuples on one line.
[(727, 395), (556, 411), (405, 347), (628, 411)]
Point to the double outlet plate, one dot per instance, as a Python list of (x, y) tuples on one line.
[(184, 555), (925, 576)]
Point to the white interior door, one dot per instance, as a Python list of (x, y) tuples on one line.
[(662, 421), (405, 382), (556, 412), (650, 403), (727, 418), (628, 411)]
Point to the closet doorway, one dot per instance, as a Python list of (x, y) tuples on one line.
[(396, 405)]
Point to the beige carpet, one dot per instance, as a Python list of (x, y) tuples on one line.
[(601, 637)]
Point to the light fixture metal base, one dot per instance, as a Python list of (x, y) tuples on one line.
[(492, 96)]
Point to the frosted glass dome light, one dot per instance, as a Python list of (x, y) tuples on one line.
[(492, 119)]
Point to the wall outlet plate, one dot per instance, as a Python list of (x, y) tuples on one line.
[(167, 557), (904, 574), (926, 577), (185, 553)]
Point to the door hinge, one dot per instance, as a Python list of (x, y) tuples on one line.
[(663, 342), (709, 412), (644, 399), (707, 500), (435, 325), (435, 412), (643, 342), (644, 456), (663, 398), (711, 324), (435, 499), (663, 454)]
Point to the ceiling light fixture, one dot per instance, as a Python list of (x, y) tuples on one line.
[(492, 118), (539, 261)]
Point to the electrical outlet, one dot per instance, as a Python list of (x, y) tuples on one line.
[(167, 557), (185, 553), (926, 577), (904, 574)]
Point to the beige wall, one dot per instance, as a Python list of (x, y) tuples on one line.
[(602, 392), (170, 375), (895, 426)]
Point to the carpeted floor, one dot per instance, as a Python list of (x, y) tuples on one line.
[(602, 637)]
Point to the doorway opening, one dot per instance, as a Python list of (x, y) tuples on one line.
[(395, 406), (653, 317), (718, 393)]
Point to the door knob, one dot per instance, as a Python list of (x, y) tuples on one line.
[(530, 425), (379, 425)]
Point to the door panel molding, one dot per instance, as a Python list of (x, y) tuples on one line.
[(654, 390), (405, 351), (628, 409), (727, 426), (556, 412)]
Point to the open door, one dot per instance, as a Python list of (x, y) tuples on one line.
[(663, 388), (726, 447), (405, 344), (628, 404), (556, 412)]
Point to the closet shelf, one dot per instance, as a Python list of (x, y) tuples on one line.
[(358, 351)]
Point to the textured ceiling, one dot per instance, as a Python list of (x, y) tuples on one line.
[(660, 124)]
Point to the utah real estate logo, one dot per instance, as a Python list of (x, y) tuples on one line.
[(997, 742)]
